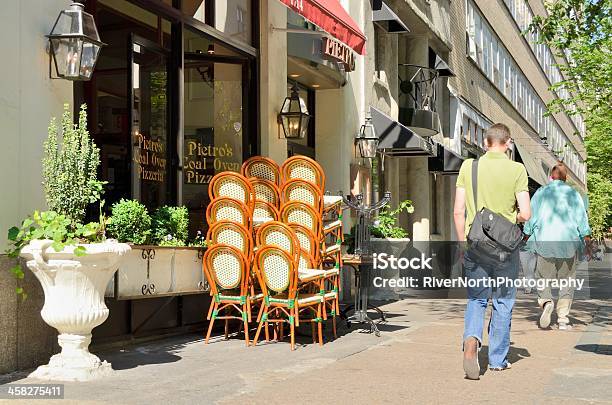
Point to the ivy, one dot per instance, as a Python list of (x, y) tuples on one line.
[(385, 224)]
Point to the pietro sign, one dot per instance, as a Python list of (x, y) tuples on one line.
[(336, 50)]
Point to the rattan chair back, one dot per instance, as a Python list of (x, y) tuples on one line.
[(265, 191), (294, 212), (304, 168), (277, 234), (303, 191), (225, 268), (266, 211), (231, 234), (262, 168), (232, 185), (228, 209), (276, 271)]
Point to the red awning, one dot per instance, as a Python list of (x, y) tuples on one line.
[(330, 16)]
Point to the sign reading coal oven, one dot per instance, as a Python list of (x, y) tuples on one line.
[(203, 159), (336, 50), (150, 158)]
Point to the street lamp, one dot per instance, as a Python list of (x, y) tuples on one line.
[(294, 116), (366, 140), (74, 44)]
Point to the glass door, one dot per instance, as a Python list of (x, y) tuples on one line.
[(214, 127), (149, 112)]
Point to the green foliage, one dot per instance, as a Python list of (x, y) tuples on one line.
[(385, 224), (55, 227), (199, 241), (170, 226), (130, 222), (581, 32), (70, 169), (600, 204)]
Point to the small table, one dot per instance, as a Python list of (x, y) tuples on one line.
[(362, 266)]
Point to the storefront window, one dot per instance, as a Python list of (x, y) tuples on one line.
[(233, 17), (109, 95), (150, 148), (213, 122)]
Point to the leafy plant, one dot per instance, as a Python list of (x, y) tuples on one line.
[(385, 224), (170, 226), (199, 240), (70, 170), (130, 222), (55, 227)]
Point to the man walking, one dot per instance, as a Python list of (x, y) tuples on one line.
[(559, 228), (501, 184)]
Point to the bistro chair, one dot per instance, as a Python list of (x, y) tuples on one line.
[(277, 234), (264, 212), (277, 275), (304, 168), (225, 268), (302, 191), (265, 191), (232, 185), (307, 241), (228, 209), (294, 212), (232, 234), (262, 168)]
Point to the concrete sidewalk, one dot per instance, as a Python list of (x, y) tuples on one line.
[(417, 359)]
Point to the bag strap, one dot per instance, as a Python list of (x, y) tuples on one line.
[(475, 183)]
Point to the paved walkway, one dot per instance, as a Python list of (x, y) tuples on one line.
[(417, 359)]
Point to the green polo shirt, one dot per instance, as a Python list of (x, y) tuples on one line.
[(499, 180)]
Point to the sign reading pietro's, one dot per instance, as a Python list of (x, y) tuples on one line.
[(338, 51), (149, 156)]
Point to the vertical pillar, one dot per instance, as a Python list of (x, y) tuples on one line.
[(272, 77)]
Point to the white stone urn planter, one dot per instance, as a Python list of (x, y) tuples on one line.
[(74, 303)]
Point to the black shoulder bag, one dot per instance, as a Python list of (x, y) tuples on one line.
[(491, 234)]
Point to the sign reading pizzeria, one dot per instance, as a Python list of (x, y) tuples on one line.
[(336, 50)]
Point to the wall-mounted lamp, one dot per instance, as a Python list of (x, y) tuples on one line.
[(294, 116), (74, 44), (366, 139)]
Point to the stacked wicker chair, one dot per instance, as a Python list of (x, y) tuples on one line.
[(292, 270)]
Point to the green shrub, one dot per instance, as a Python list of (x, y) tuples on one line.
[(170, 226), (130, 222), (384, 226), (70, 167)]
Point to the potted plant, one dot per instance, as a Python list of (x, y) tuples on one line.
[(72, 261), (389, 238), (161, 261)]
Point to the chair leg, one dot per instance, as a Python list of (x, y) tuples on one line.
[(267, 332), (210, 309), (260, 312), (314, 339), (261, 322), (292, 329), (226, 329), (211, 322), (320, 324), (246, 324), (334, 326)]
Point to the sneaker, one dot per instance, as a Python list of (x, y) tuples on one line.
[(470, 359), (508, 366), (564, 326), (546, 313)]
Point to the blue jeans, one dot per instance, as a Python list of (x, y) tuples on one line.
[(502, 299)]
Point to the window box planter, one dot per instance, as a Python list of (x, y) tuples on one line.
[(74, 303), (149, 271)]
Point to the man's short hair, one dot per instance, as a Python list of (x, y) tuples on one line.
[(497, 134), (559, 172)]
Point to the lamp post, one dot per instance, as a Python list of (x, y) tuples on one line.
[(366, 139), (294, 116), (74, 44)]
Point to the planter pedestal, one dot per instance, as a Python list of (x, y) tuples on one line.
[(74, 303)]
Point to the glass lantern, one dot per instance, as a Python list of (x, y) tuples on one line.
[(294, 116), (74, 43), (367, 141)]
